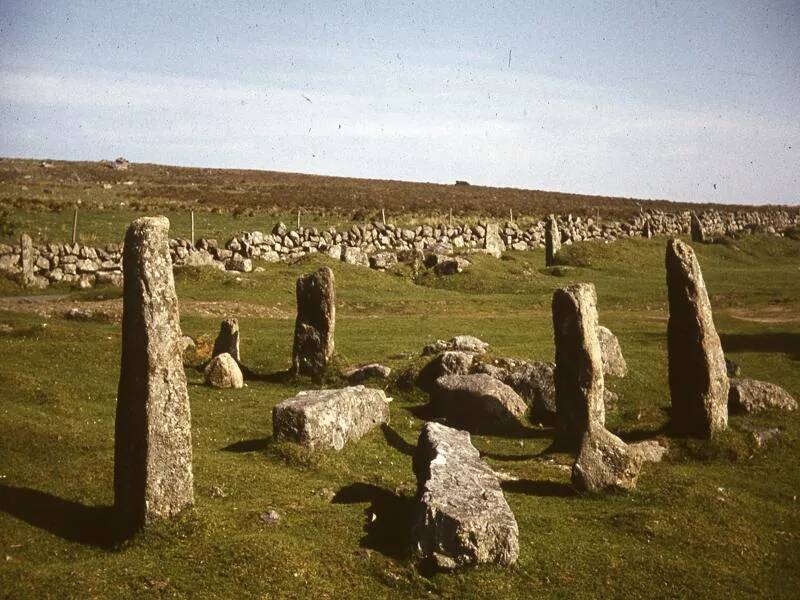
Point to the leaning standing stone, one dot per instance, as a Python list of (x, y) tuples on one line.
[(464, 518), (696, 227), (228, 339), (579, 364), (698, 380), (552, 241), (153, 441), (316, 320)]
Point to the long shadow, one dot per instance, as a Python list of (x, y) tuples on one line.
[(784, 342), (510, 457), (90, 525), (254, 445), (396, 441), (640, 435), (389, 532), (427, 412), (539, 488)]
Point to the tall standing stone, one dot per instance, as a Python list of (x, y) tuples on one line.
[(696, 229), (315, 324), (698, 380), (493, 244), (26, 259), (579, 364), (153, 441), (552, 241), (228, 339)]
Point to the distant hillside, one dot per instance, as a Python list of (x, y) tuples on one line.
[(27, 184)]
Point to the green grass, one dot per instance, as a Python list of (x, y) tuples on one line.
[(716, 519)]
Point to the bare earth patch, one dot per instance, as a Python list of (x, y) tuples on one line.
[(767, 314)]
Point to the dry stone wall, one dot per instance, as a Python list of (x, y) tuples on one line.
[(374, 244)]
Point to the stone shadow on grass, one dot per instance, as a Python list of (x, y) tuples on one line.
[(540, 487), (72, 521), (389, 532), (254, 445), (773, 342), (396, 441)]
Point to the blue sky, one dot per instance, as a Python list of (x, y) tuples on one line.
[(685, 101)]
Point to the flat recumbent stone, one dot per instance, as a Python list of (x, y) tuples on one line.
[(330, 418)]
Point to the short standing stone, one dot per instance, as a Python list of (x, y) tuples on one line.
[(696, 227), (330, 418), (223, 372), (464, 518), (315, 324), (478, 402), (579, 364), (552, 241), (752, 396), (228, 339), (153, 442), (26, 260), (613, 362), (698, 379), (605, 463), (493, 243)]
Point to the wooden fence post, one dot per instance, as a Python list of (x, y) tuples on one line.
[(75, 226)]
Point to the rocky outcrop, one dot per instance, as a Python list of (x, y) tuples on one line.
[(613, 362), (478, 402), (752, 396), (223, 371), (463, 517), (315, 324), (579, 364), (459, 343), (450, 362), (330, 418), (153, 440), (698, 379)]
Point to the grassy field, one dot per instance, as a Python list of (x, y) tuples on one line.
[(42, 200), (715, 519)]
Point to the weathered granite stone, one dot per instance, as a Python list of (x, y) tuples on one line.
[(605, 463), (533, 381), (450, 265), (330, 418), (383, 260), (732, 368), (478, 402), (579, 364), (153, 440), (451, 362), (223, 372), (613, 362), (463, 517), (354, 255), (552, 241), (228, 339), (752, 396), (696, 227), (370, 371), (26, 260), (698, 379), (467, 343), (315, 324), (493, 243)]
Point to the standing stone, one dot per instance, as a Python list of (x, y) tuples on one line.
[(552, 241), (493, 243), (153, 440), (579, 364), (698, 380), (316, 320), (228, 339), (26, 259), (696, 227), (224, 372)]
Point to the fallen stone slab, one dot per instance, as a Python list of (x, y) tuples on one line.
[(613, 362), (223, 372), (478, 402), (370, 371), (330, 418), (464, 518), (533, 381), (753, 396)]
